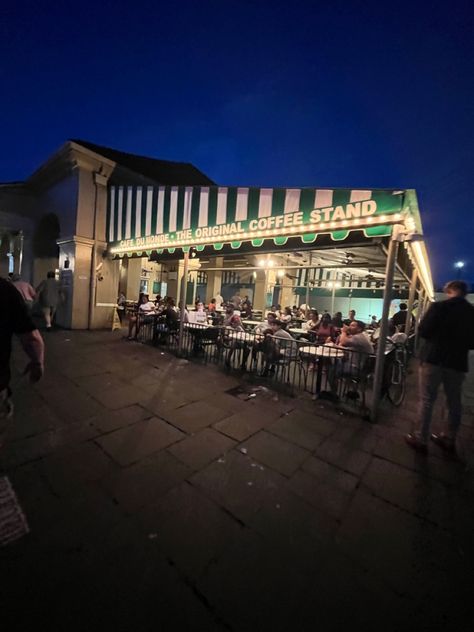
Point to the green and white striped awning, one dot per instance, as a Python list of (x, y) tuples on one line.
[(146, 218)]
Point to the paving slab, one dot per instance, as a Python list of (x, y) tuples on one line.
[(410, 490), (195, 416), (130, 444), (280, 455), (414, 557), (328, 499), (23, 451), (201, 448), (182, 522), (237, 483), (144, 482), (110, 420), (321, 426), (343, 456), (258, 585), (435, 465), (69, 402), (67, 469), (244, 424), (289, 521), (298, 429), (330, 475)]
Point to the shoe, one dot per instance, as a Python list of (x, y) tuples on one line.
[(416, 443), (444, 442)]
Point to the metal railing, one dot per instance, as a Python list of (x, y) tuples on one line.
[(325, 371)]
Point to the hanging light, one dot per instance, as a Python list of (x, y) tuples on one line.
[(281, 273)]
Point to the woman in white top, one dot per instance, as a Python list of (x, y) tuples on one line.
[(286, 316), (144, 306)]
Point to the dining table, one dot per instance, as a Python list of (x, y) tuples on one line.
[(297, 331), (321, 354)]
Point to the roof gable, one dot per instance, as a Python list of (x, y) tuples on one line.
[(162, 171)]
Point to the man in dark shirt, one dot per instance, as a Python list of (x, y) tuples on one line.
[(447, 333), (352, 317), (14, 319), (399, 319)]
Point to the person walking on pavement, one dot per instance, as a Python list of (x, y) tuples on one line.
[(48, 295), (447, 333), (14, 319)]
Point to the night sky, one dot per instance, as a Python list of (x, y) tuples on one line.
[(332, 94)]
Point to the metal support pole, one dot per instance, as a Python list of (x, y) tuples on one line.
[(308, 271), (333, 297), (184, 283), (419, 314), (387, 298), (411, 300), (20, 262)]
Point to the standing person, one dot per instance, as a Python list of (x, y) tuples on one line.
[(400, 317), (352, 317), (219, 300), (14, 319), (447, 333), (337, 320), (48, 295), (26, 290), (121, 303), (212, 305), (236, 300)]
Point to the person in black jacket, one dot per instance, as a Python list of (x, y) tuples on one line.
[(447, 333)]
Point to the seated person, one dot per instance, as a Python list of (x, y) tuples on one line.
[(359, 347), (276, 309), (280, 344), (261, 331), (246, 310), (310, 325), (144, 308), (374, 323), (325, 331), (231, 318), (200, 316), (287, 316), (234, 323), (171, 314)]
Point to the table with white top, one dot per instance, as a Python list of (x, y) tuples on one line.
[(200, 326), (251, 323), (321, 353), (297, 331), (242, 336)]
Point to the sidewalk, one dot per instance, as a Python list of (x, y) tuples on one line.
[(158, 500)]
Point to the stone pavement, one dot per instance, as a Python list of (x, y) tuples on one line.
[(157, 500)]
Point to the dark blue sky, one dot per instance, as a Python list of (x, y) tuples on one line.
[(352, 94)]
